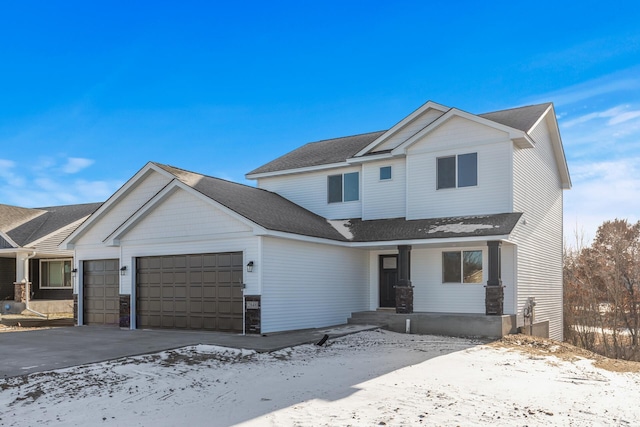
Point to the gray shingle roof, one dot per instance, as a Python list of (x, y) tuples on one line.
[(320, 153), (263, 207), (276, 213), (522, 118), (54, 218), (13, 216), (434, 228), (338, 150)]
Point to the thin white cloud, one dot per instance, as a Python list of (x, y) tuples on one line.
[(76, 164), (602, 191), (611, 112), (624, 117), (9, 175), (620, 82)]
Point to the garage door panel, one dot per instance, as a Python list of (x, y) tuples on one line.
[(196, 292), (101, 293)]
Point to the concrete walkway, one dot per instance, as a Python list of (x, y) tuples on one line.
[(48, 349)]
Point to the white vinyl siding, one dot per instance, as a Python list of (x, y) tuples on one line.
[(122, 210), (309, 190), (432, 295), (410, 129), (538, 193), (383, 198), (309, 285), (491, 195), (183, 216)]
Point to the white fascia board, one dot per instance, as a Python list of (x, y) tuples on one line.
[(401, 124), (114, 238), (8, 239), (371, 158), (68, 243), (298, 170), (454, 112), (444, 242), (558, 148), (301, 237), (541, 118)]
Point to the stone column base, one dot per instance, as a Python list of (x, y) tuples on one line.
[(125, 311), (404, 299), (75, 309), (19, 292), (494, 300)]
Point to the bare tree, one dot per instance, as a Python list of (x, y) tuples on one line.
[(602, 291)]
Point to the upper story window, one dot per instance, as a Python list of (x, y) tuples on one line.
[(55, 274), (458, 171), (343, 187), (462, 267), (385, 173)]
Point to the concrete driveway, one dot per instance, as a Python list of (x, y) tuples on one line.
[(48, 349)]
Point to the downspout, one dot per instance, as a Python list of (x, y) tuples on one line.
[(26, 286)]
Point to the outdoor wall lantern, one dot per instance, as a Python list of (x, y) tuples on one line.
[(74, 272), (250, 267), (123, 270)]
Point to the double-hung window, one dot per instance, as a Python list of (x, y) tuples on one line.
[(462, 267), (55, 273), (458, 171), (343, 187)]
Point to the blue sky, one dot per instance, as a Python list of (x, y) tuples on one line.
[(91, 91)]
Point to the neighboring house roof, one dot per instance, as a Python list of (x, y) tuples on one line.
[(276, 213), (338, 150), (14, 216), (47, 221)]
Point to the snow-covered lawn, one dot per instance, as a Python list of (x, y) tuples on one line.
[(365, 379)]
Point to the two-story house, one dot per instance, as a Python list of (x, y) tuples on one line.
[(450, 220)]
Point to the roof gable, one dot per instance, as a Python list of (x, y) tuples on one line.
[(520, 137), (129, 187), (405, 128), (264, 208), (393, 142)]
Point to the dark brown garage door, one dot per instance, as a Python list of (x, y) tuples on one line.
[(201, 291), (101, 295)]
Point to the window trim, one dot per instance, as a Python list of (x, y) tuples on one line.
[(380, 178), (50, 260), (456, 172), (461, 252), (343, 188)]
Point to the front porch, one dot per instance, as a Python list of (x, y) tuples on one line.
[(45, 307), (449, 324)]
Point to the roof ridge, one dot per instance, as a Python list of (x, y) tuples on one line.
[(210, 176), (515, 108), (346, 136)]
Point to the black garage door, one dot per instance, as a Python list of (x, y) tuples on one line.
[(201, 291), (101, 295)]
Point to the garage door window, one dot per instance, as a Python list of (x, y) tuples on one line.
[(55, 274)]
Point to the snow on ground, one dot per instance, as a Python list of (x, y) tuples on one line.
[(365, 379)]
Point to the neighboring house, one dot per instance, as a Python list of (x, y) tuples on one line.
[(446, 213), (29, 254)]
